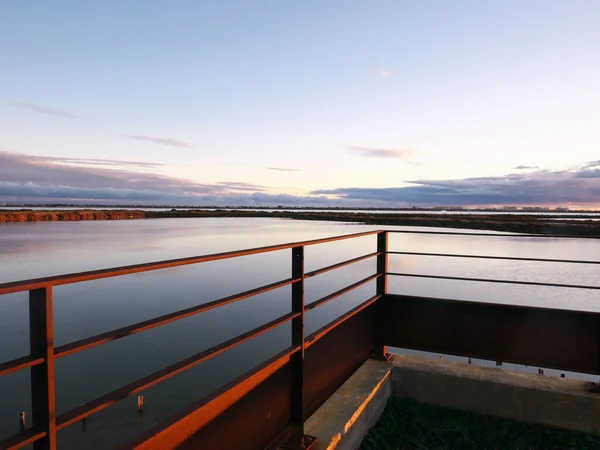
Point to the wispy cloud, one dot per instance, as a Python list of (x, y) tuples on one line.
[(241, 186), (384, 73), (591, 164), (44, 110), (525, 167), (98, 162), (170, 142), (282, 169), (370, 152)]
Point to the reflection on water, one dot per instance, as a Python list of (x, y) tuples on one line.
[(81, 310)]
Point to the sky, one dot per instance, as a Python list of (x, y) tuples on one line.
[(317, 103)]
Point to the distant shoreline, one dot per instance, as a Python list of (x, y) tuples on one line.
[(522, 223), (432, 210)]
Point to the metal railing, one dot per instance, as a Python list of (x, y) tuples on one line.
[(374, 317), (43, 353), (501, 258)]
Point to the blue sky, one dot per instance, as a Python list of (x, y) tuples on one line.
[(388, 103)]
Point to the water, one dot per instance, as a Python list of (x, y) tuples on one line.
[(29, 250)]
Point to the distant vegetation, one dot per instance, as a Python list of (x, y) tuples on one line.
[(51, 216), (501, 222)]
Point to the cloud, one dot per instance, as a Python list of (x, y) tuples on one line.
[(370, 152), (58, 171), (34, 193), (71, 193), (240, 186), (161, 141), (98, 162), (591, 164), (384, 73), (525, 167), (41, 179), (588, 173), (282, 169), (44, 110), (535, 188)]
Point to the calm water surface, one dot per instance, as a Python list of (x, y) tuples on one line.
[(41, 249)]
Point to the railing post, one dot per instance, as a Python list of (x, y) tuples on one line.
[(298, 439), (381, 288), (41, 343), (382, 262)]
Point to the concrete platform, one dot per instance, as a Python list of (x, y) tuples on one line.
[(558, 402), (347, 416), (342, 422)]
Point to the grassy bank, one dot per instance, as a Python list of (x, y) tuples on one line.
[(408, 425)]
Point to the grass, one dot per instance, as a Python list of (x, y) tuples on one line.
[(408, 425)]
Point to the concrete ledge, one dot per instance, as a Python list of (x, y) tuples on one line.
[(342, 422), (558, 402)]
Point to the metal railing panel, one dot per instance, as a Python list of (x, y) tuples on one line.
[(505, 258), (301, 378), (24, 362), (494, 280), (106, 400), (342, 291), (550, 338), (119, 333), (188, 423), (26, 285), (333, 358)]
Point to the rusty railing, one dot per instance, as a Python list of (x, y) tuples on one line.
[(267, 406)]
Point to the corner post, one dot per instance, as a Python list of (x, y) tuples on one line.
[(298, 440), (41, 343), (382, 287), (382, 262)]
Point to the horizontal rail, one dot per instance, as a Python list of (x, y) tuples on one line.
[(341, 292), (508, 258), (119, 333), (459, 233), (21, 439), (210, 406), (491, 280), (106, 400), (17, 364), (342, 264), (315, 336), (36, 283)]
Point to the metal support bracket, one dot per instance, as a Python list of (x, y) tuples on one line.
[(300, 442), (385, 357)]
